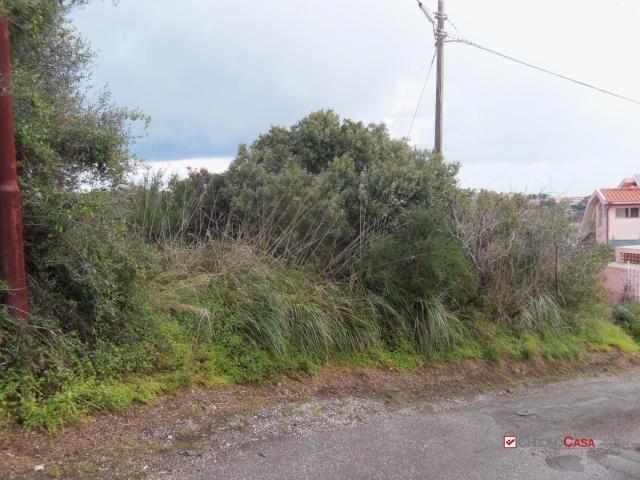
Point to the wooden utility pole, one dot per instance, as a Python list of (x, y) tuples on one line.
[(11, 241), (440, 36)]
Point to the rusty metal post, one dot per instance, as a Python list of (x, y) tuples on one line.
[(11, 240)]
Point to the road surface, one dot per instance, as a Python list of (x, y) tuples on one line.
[(464, 439)]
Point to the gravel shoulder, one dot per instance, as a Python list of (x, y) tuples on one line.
[(464, 438), (184, 434)]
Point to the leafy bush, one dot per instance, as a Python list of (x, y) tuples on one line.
[(314, 207), (420, 259), (83, 267), (627, 315)]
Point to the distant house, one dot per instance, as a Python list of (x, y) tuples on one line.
[(613, 214)]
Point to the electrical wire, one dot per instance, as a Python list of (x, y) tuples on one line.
[(450, 22), (544, 70), (424, 87)]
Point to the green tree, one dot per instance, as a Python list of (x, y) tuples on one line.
[(320, 189), (67, 138)]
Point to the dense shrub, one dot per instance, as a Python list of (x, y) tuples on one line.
[(421, 259), (83, 266), (525, 253), (79, 265), (627, 315)]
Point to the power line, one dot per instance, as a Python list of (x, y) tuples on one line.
[(450, 22), (424, 87), (544, 70)]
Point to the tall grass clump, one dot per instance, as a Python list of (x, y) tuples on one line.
[(276, 308), (542, 314), (435, 327)]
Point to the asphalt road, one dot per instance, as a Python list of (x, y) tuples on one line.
[(464, 440)]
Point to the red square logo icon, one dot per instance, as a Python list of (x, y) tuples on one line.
[(510, 442)]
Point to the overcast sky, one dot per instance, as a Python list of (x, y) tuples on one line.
[(213, 73)]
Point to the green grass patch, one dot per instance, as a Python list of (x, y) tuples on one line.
[(381, 357), (181, 360)]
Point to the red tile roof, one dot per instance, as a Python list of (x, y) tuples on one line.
[(629, 195)]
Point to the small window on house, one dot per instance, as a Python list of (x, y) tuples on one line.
[(627, 212)]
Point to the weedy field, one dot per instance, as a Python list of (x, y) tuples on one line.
[(326, 241)]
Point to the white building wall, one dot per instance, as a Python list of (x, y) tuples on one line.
[(623, 228)]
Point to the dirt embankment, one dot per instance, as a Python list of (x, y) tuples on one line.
[(189, 429)]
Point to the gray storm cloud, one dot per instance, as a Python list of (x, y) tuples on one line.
[(212, 74)]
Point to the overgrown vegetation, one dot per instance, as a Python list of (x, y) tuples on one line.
[(627, 315), (328, 240)]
